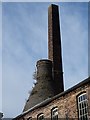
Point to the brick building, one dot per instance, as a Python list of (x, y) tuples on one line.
[(63, 105), (48, 98)]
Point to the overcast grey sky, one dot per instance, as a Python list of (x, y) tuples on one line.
[(24, 41)]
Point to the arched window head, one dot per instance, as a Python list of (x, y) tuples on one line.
[(40, 116), (82, 106), (29, 118), (54, 113)]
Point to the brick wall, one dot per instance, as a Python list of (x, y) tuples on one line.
[(54, 47), (67, 104)]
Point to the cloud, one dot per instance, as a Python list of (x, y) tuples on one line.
[(24, 42), (74, 42)]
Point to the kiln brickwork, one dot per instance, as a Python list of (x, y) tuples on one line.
[(43, 88)]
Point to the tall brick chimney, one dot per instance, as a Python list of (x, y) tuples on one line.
[(54, 47), (49, 72)]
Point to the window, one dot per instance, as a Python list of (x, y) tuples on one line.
[(30, 118), (40, 116), (54, 113), (82, 106)]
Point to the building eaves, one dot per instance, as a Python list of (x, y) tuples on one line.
[(47, 101)]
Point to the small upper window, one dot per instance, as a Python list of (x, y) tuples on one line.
[(82, 106), (30, 118), (54, 113), (40, 116)]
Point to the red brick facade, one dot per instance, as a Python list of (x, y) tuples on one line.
[(66, 103)]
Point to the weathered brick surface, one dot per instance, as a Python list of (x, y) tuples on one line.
[(54, 47), (67, 104), (43, 88)]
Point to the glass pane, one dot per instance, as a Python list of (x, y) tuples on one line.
[(41, 117), (81, 118), (79, 99), (85, 110), (84, 97), (80, 106), (80, 112), (85, 104), (55, 117)]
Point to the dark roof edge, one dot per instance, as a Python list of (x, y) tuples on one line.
[(45, 102)]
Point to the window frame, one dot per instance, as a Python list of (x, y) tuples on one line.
[(82, 106), (54, 116), (29, 118), (40, 115)]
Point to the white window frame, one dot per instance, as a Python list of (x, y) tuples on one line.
[(83, 106), (54, 113), (40, 116), (30, 118)]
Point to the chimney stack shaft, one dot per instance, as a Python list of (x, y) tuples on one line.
[(54, 47)]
